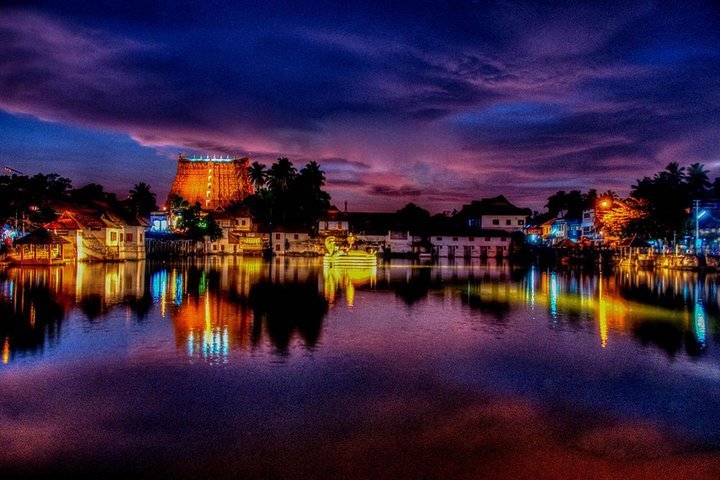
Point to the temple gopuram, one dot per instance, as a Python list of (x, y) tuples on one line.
[(212, 181)]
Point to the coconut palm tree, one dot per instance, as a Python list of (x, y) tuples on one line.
[(281, 174), (142, 199), (697, 180), (258, 175)]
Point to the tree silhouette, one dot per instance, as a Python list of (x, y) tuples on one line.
[(142, 199), (258, 175), (697, 181)]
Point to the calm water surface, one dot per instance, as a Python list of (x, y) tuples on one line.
[(243, 368)]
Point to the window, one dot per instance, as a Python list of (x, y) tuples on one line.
[(121, 237), (277, 247), (243, 222), (439, 239), (141, 237), (295, 236), (455, 239), (277, 236), (502, 239), (222, 248), (496, 221), (508, 222), (113, 236), (214, 246), (471, 239), (487, 239), (128, 237)]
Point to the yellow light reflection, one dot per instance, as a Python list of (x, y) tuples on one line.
[(602, 314), (6, 351), (347, 279)]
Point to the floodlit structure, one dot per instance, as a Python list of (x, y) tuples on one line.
[(212, 181)]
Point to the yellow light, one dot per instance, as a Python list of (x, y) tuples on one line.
[(6, 351)]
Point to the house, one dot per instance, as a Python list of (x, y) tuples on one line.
[(289, 241), (240, 234), (495, 213), (587, 224), (39, 247), (334, 222), (100, 235), (470, 244)]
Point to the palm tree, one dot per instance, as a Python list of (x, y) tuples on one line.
[(258, 175), (697, 180), (281, 174), (143, 199), (673, 174), (313, 175)]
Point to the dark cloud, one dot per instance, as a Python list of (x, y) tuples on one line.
[(443, 101)]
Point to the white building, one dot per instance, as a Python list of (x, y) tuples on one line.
[(292, 242), (475, 245), (495, 213), (100, 236)]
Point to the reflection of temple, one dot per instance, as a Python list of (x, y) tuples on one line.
[(223, 305), (207, 326)]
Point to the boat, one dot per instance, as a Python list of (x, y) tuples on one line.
[(347, 256)]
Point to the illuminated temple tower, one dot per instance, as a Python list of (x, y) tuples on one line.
[(212, 181)]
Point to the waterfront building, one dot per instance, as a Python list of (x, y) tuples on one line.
[(466, 244), (293, 241), (212, 181), (100, 235), (39, 247), (240, 234), (334, 222), (495, 213)]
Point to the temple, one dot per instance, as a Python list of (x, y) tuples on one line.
[(212, 181)]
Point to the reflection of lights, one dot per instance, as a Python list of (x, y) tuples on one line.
[(178, 288), (602, 314), (699, 321), (158, 287), (213, 344), (532, 287), (203, 283), (158, 284), (553, 294), (6, 351), (349, 277)]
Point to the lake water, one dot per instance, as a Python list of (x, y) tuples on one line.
[(245, 368)]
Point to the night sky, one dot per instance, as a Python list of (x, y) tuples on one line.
[(436, 103)]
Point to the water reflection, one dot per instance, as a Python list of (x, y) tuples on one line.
[(220, 307)]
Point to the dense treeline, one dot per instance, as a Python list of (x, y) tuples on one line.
[(657, 207), (284, 196), (35, 198)]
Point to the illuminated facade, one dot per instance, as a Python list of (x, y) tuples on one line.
[(212, 181)]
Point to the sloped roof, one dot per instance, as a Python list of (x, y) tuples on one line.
[(64, 222), (40, 236), (492, 206)]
